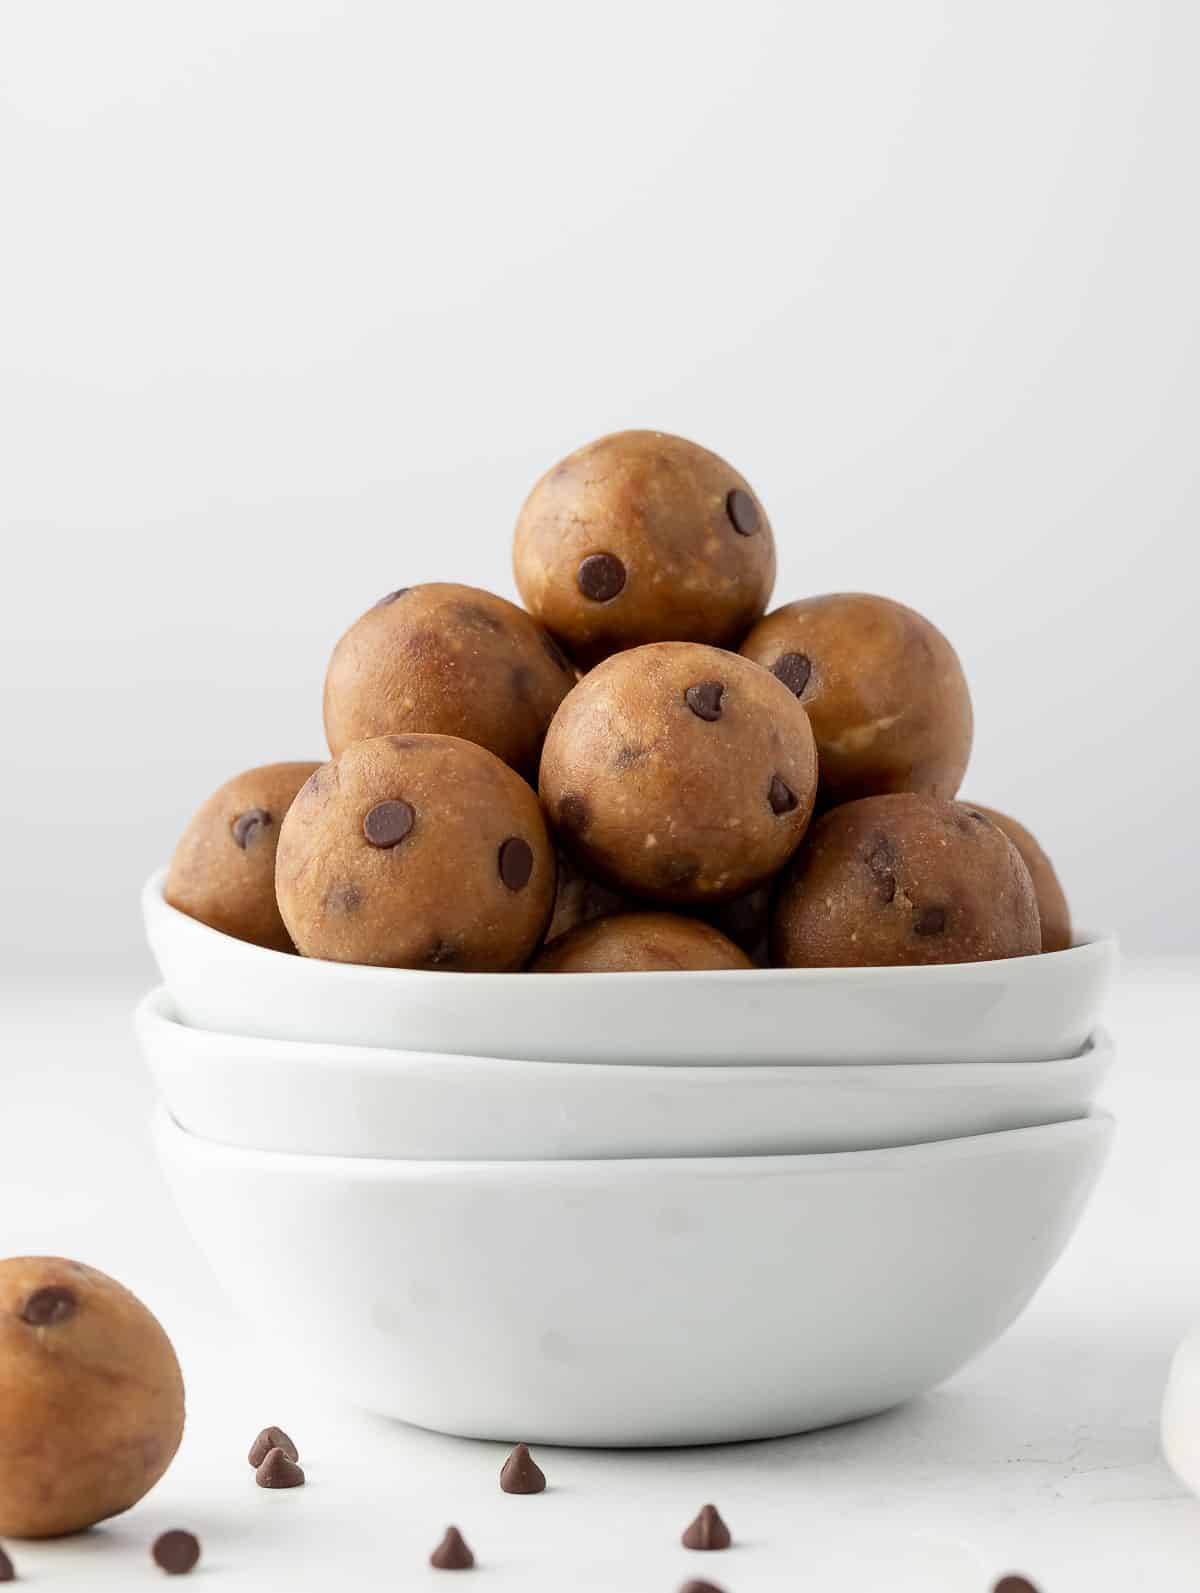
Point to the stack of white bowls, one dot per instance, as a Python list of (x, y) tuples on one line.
[(616, 1209)]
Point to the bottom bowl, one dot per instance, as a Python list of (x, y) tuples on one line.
[(637, 1302)]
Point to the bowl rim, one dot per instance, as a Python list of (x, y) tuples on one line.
[(1097, 1125), (156, 1011), (1088, 947)]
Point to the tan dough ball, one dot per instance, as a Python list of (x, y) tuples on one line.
[(416, 852), (91, 1398), (643, 537), (884, 690), (223, 870), (1053, 907), (452, 660), (636, 942), (903, 879), (680, 773)]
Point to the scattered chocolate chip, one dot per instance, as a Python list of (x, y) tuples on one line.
[(516, 863), (881, 860), (342, 900), (271, 1438), (742, 511), (440, 954), (1014, 1584), (700, 1587), (277, 1471), (388, 823), (49, 1306), (707, 1531), (557, 656), (930, 921), (452, 1554), (176, 1552), (392, 596), (705, 699), (781, 796), (627, 754), (601, 576), (7, 1574), (249, 826), (574, 813), (794, 670), (521, 1473)]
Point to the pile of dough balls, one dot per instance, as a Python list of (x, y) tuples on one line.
[(640, 769)]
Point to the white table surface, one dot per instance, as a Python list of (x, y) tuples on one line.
[(1042, 1456)]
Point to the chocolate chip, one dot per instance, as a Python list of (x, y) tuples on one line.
[(1014, 1584), (341, 900), (176, 1552), (705, 699), (574, 813), (388, 823), (557, 656), (277, 1471), (271, 1438), (521, 1473), (742, 511), (601, 576), (7, 1574), (881, 860), (248, 826), (452, 1553), (392, 596), (707, 1531), (700, 1587), (516, 863), (628, 754), (781, 796), (930, 921), (794, 670), (49, 1306)]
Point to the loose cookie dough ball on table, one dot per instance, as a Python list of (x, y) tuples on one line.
[(638, 942), (452, 660), (679, 773), (223, 871), (904, 879), (91, 1398), (416, 852), (643, 537), (1053, 907), (883, 688)]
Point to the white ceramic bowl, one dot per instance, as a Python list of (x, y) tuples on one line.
[(1025, 1009), (638, 1301), (328, 1100)]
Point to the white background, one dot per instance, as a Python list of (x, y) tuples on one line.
[(299, 297)]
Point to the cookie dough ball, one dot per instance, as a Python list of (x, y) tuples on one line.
[(884, 690), (904, 879), (449, 659), (643, 537), (1051, 898), (680, 773), (91, 1398), (223, 871), (636, 942), (579, 899), (416, 852)]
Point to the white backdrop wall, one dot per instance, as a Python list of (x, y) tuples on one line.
[(297, 298)]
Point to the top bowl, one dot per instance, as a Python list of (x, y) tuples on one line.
[(1024, 1009)]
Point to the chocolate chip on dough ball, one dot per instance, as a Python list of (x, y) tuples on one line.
[(643, 537), (883, 688), (904, 879), (91, 1398), (223, 871), (1053, 907), (637, 942), (416, 852), (680, 773), (452, 660)]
